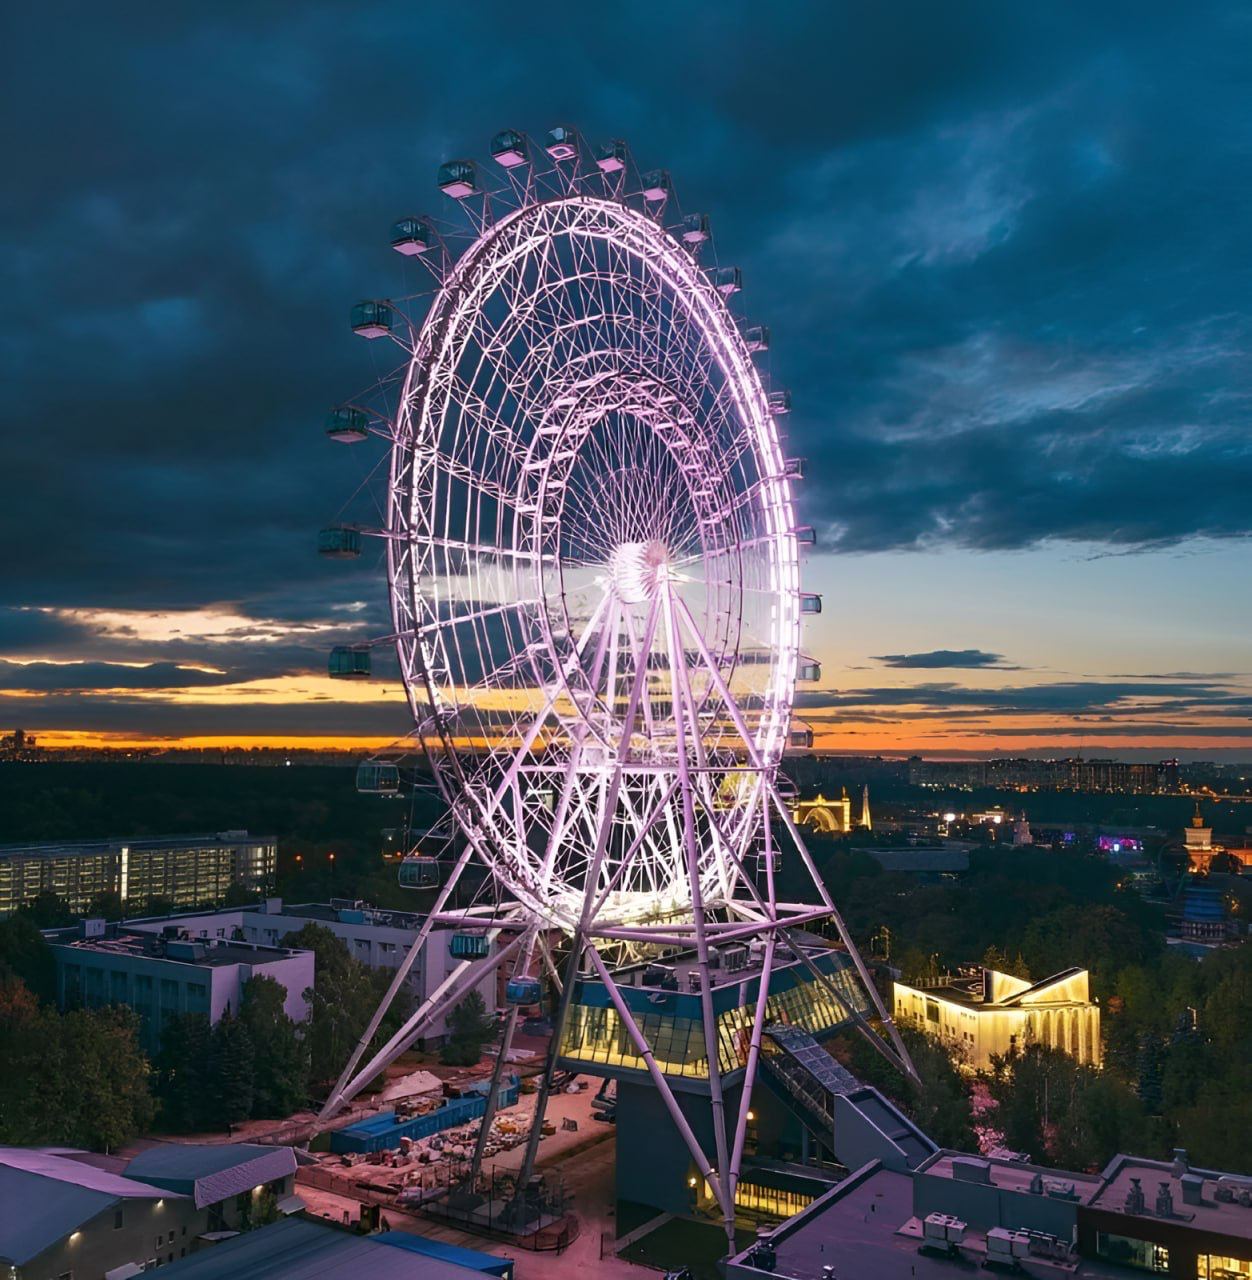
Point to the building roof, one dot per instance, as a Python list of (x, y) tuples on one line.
[(303, 1250), (211, 1173), (126, 940), (1012, 1175), (1209, 1214), (856, 1228), (45, 1197), (943, 859), (971, 990)]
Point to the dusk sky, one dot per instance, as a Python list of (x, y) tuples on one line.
[(1004, 252)]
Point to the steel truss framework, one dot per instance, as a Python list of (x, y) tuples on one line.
[(594, 581)]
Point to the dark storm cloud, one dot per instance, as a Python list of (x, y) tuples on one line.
[(49, 677), (1002, 249), (937, 658)]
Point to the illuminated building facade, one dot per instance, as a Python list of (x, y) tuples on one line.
[(187, 871), (985, 1013), (832, 817)]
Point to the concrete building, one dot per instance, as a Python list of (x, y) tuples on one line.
[(1162, 1218), (379, 939), (62, 1215), (189, 871), (160, 975), (981, 1013)]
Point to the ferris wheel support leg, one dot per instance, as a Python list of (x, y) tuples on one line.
[(749, 1074), (703, 1164), (827, 901), (579, 935), (497, 1070), (683, 706), (371, 1030), (462, 979), (549, 1074)]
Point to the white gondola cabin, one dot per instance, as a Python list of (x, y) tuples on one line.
[(611, 156), (779, 403), (562, 143), (377, 778), (695, 228), (657, 186)]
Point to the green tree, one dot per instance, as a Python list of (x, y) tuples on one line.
[(469, 1029), (281, 1074), (26, 956), (48, 911), (183, 1088), (106, 1099), (232, 1067), (343, 996)]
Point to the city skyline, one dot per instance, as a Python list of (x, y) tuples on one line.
[(1006, 289)]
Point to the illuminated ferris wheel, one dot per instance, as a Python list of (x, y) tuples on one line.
[(593, 562)]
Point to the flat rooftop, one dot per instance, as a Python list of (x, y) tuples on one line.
[(738, 962), (209, 953), (1014, 1175), (856, 1228), (1211, 1214)]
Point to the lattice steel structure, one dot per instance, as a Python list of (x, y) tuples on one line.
[(594, 581)]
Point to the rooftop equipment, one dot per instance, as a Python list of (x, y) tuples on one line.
[(372, 319)]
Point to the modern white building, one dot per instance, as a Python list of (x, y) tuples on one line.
[(982, 1013), (159, 974), (378, 938)]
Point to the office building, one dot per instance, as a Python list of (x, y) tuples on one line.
[(159, 974), (379, 939), (980, 1013), (72, 1214), (188, 871), (956, 1213)]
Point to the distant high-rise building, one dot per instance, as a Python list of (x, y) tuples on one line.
[(187, 871)]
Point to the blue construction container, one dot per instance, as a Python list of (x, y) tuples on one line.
[(384, 1131)]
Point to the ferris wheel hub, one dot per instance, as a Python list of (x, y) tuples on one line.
[(637, 569)]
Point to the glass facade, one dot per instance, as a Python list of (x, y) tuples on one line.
[(1211, 1266), (595, 1034), (186, 872), (1126, 1251)]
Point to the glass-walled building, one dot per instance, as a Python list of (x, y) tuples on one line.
[(188, 871)]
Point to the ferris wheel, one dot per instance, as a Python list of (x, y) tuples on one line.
[(594, 579)]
